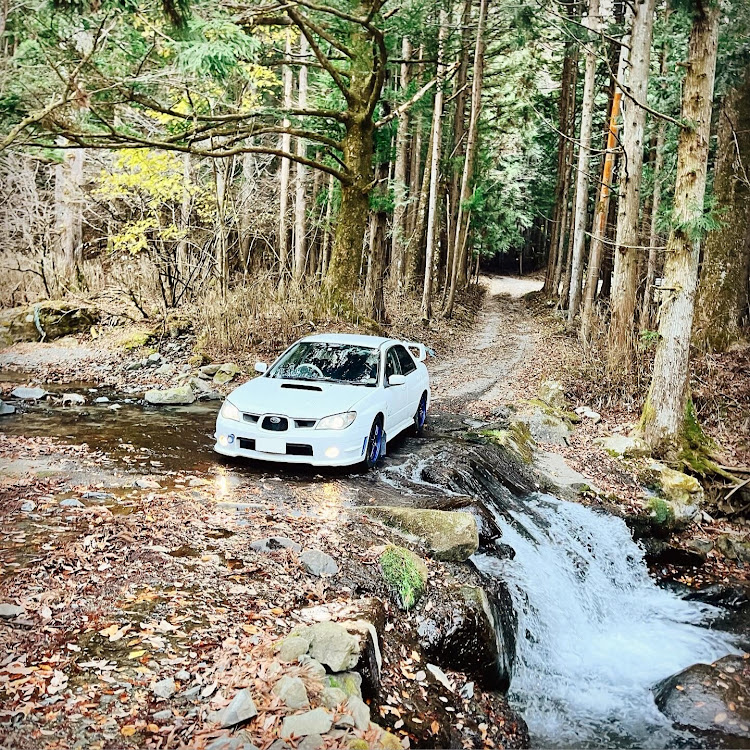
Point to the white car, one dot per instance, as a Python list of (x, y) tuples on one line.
[(329, 400)]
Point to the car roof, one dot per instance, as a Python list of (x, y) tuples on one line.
[(353, 339)]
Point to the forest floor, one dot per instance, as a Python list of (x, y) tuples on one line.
[(127, 546)]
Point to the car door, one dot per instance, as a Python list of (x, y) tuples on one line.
[(413, 381), (396, 396)]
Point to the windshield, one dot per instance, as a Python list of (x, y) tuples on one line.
[(338, 363)]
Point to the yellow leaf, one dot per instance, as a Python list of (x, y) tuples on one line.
[(110, 631), (137, 653), (152, 727), (128, 730)]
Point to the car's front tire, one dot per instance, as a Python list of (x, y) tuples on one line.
[(420, 416), (374, 448)]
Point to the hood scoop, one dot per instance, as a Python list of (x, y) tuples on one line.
[(301, 387)]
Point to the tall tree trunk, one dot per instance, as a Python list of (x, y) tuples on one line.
[(400, 194), (416, 192), (286, 142), (570, 63), (325, 250), (664, 411), (593, 23), (69, 212), (300, 186), (625, 282), (462, 219), (722, 294), (183, 253), (221, 167), (433, 216), (378, 248), (605, 189)]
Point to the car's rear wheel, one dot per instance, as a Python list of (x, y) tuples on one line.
[(420, 417), (374, 443)]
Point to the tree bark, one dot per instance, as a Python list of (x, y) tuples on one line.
[(69, 213), (593, 23), (325, 249), (300, 186), (400, 188), (625, 282), (286, 142), (434, 166), (723, 290), (664, 411), (461, 231)]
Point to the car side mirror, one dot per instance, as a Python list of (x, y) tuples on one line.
[(396, 379), (261, 367)]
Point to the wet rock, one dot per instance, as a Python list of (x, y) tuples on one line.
[(292, 692), (275, 542), (734, 547), (318, 563), (226, 373), (28, 394), (659, 552), (293, 647), (701, 546), (332, 645), (359, 711), (146, 484), (240, 709), (9, 611), (71, 502), (164, 688), (460, 635), (318, 721), (682, 494), (623, 445), (6, 409), (181, 395), (28, 506), (449, 535), (73, 399), (552, 393), (711, 699), (101, 400)]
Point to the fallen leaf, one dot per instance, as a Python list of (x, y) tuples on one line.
[(128, 730)]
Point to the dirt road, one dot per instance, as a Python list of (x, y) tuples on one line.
[(482, 376)]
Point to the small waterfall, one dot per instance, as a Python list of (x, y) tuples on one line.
[(594, 631)]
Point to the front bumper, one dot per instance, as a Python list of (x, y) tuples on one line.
[(322, 447)]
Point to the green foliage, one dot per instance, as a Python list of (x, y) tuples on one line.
[(661, 511), (404, 574), (648, 340)]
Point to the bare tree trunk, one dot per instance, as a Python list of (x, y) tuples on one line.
[(625, 282), (723, 294), (416, 246), (286, 141), (462, 221), (593, 23), (300, 186), (183, 265), (663, 415), (69, 212), (400, 194), (325, 250), (416, 191), (605, 189), (433, 213), (220, 167)]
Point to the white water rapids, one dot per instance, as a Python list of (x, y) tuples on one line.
[(594, 631)]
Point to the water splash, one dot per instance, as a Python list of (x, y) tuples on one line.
[(594, 631)]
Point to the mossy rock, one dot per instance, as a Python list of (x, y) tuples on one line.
[(47, 320), (681, 493), (517, 438), (552, 392), (449, 535), (136, 339), (405, 573)]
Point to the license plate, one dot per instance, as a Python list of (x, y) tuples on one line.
[(270, 445)]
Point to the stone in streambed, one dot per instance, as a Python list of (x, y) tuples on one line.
[(318, 721), (226, 373), (73, 399), (449, 535), (292, 692), (318, 563), (273, 543), (182, 395), (164, 688), (6, 409), (28, 394), (240, 709), (9, 611)]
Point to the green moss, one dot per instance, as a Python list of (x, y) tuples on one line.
[(136, 340), (516, 438), (358, 744), (554, 412), (661, 511), (405, 573)]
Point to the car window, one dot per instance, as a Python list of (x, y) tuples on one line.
[(392, 365), (318, 360), (406, 360)]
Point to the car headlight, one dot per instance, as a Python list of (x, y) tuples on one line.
[(230, 411), (337, 421)]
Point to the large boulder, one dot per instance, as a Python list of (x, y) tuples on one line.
[(460, 634), (45, 321), (680, 495), (712, 700), (448, 535), (734, 547), (623, 445), (170, 396)]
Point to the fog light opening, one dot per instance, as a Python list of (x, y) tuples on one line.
[(230, 439), (332, 452), (223, 440)]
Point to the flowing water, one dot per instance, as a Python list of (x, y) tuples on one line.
[(594, 631)]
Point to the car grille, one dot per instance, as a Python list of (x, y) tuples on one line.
[(305, 423), (275, 426), (251, 418), (298, 449)]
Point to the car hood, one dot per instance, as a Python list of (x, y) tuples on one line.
[(299, 399)]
